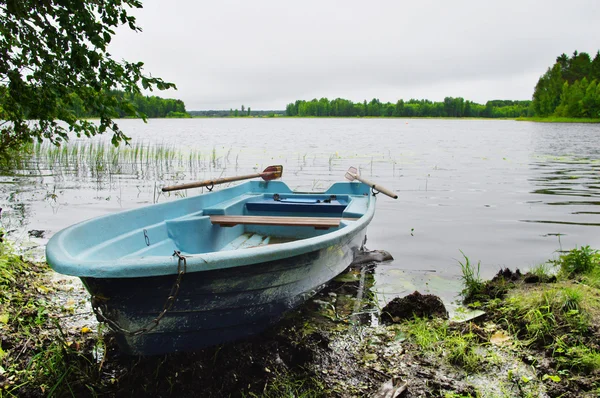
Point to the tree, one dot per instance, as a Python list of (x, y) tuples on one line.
[(54, 60), (547, 92), (595, 67)]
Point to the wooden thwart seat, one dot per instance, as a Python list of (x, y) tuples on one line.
[(317, 222)]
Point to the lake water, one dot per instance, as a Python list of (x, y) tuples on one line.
[(506, 193)]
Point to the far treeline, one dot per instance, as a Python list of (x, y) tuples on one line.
[(236, 113), (151, 106), (451, 107), (571, 88)]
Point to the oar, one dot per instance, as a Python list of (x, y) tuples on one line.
[(268, 174), (352, 174)]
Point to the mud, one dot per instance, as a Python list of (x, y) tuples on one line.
[(414, 305)]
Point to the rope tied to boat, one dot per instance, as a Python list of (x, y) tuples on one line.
[(181, 270)]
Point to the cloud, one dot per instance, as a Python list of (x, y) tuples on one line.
[(265, 54)]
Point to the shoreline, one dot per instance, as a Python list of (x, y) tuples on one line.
[(506, 344)]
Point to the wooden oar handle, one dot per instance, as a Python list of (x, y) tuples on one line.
[(208, 183), (268, 174), (376, 187)]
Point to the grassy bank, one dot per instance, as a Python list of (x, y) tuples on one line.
[(555, 119), (525, 336)]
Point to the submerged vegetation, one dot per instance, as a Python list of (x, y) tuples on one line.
[(530, 335)]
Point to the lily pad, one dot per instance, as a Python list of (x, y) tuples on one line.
[(462, 314)]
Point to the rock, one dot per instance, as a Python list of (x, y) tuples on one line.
[(369, 256), (415, 304), (36, 233)]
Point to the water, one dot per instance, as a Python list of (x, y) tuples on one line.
[(506, 193)]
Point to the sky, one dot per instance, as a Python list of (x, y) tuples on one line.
[(265, 54)]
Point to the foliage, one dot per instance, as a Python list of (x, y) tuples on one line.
[(55, 59), (450, 107), (578, 261), (569, 88)]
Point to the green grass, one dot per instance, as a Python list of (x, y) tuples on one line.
[(459, 347)]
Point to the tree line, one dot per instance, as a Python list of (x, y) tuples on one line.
[(150, 106), (450, 107), (570, 88), (232, 113)]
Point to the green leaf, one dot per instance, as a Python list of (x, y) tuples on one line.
[(554, 378)]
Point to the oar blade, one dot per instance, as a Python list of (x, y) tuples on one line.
[(272, 173), (351, 174)]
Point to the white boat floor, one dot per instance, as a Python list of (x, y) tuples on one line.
[(249, 240)]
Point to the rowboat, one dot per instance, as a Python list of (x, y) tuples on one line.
[(216, 267)]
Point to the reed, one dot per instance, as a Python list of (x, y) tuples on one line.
[(99, 159)]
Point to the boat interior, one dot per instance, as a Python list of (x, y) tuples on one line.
[(245, 221)]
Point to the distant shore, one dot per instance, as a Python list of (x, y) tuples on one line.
[(555, 119)]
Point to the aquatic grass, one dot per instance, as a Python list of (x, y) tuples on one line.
[(99, 159), (472, 282)]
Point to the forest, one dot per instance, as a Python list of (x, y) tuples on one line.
[(450, 107), (570, 88)]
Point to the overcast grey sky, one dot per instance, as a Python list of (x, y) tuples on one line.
[(265, 54)]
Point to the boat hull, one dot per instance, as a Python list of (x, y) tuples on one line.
[(252, 252), (216, 306)]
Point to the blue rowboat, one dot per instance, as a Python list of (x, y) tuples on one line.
[(212, 268)]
